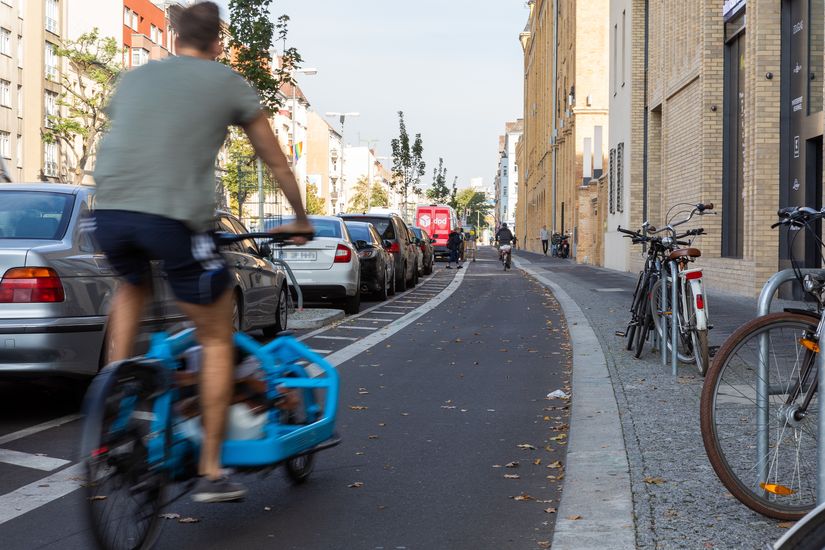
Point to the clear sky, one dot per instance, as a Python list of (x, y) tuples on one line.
[(453, 66)]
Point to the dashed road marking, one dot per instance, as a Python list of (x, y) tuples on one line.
[(28, 460), (39, 428), (325, 337)]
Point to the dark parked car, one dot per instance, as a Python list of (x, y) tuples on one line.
[(401, 244), (377, 266), (425, 243)]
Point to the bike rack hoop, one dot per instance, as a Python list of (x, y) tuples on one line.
[(772, 285)]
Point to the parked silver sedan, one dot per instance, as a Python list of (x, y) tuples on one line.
[(56, 286)]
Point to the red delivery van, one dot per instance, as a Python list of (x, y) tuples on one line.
[(437, 220)]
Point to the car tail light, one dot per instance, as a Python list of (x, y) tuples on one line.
[(423, 248), (395, 248), (343, 255), (26, 285), (700, 301), (693, 275)]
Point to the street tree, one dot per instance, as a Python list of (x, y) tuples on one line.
[(407, 164), (363, 199), (439, 192), (85, 89), (315, 204), (473, 206), (453, 202), (240, 180)]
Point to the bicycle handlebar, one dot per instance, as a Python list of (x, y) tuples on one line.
[(223, 238)]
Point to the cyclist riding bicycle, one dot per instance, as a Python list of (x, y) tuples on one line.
[(156, 201)]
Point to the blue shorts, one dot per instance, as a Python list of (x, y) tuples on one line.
[(195, 268)]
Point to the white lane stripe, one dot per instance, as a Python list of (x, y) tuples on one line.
[(28, 460), (357, 328), (41, 492), (374, 319), (402, 307), (350, 338), (322, 351), (39, 428), (385, 332), (391, 313)]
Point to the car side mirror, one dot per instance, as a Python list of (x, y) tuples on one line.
[(359, 244), (265, 250)]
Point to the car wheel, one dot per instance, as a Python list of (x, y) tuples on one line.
[(401, 280), (281, 315), (237, 314), (383, 292), (414, 276), (429, 269), (391, 286), (352, 304)]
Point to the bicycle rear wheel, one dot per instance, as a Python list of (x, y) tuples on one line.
[(684, 344), (776, 478), (645, 322), (641, 282), (125, 494)]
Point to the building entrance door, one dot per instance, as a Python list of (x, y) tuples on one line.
[(801, 122)]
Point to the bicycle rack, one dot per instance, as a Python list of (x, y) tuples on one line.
[(670, 274), (292, 278), (762, 386)]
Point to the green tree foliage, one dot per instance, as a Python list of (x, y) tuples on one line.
[(363, 200), (85, 90), (407, 165), (241, 177), (439, 192), (251, 40), (315, 204), (473, 206), (453, 199)]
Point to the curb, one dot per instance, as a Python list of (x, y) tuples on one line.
[(311, 318), (597, 476)]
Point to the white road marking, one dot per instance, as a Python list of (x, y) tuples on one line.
[(351, 338), (321, 351), (402, 307), (609, 289), (392, 312), (28, 460), (374, 319), (39, 428), (41, 492), (357, 328)]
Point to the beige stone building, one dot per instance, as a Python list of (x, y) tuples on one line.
[(324, 156), (565, 118), (730, 113)]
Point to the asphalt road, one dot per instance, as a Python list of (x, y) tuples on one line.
[(429, 416)]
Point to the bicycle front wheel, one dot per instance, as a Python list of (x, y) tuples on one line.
[(698, 338), (125, 495), (684, 344), (764, 448)]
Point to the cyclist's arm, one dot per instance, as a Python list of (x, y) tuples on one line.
[(269, 150)]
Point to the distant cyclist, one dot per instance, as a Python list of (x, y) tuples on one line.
[(504, 237), (156, 201)]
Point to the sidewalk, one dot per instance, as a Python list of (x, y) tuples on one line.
[(678, 502)]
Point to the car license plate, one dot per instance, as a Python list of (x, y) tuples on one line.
[(300, 255)]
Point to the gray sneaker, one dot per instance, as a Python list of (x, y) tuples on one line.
[(217, 490)]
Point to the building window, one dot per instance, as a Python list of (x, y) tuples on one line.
[(5, 145), (611, 182), (620, 177), (624, 53), (5, 41), (50, 159), (51, 16), (139, 57), (733, 157), (51, 61), (19, 151), (615, 57), (19, 101), (19, 51), (156, 35), (50, 107), (5, 93)]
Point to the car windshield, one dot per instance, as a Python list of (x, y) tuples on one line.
[(34, 214), (359, 232), (382, 225), (417, 232), (323, 227)]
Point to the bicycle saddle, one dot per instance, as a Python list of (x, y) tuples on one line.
[(685, 253)]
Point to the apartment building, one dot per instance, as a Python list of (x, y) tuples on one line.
[(507, 177), (566, 102), (324, 158)]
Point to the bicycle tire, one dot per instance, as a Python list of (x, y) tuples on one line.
[(634, 308), (643, 328), (682, 355), (699, 338), (119, 454), (807, 534), (733, 455)]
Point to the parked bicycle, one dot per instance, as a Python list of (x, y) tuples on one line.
[(141, 435), (647, 310), (759, 411)]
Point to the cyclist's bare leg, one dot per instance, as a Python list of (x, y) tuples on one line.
[(124, 319), (213, 325)]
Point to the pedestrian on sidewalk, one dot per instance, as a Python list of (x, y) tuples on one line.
[(543, 237), (454, 246), (515, 241)]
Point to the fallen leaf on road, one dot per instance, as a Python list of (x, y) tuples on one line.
[(786, 524), (170, 515), (356, 485), (550, 510), (555, 464), (559, 437), (267, 508), (650, 480), (537, 461), (372, 437), (574, 517), (513, 464), (523, 496), (405, 414), (526, 446), (544, 544), (189, 520), (382, 424), (358, 407), (512, 476), (98, 497)]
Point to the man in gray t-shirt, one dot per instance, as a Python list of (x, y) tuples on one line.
[(156, 198)]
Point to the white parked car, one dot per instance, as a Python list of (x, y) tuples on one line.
[(327, 268)]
